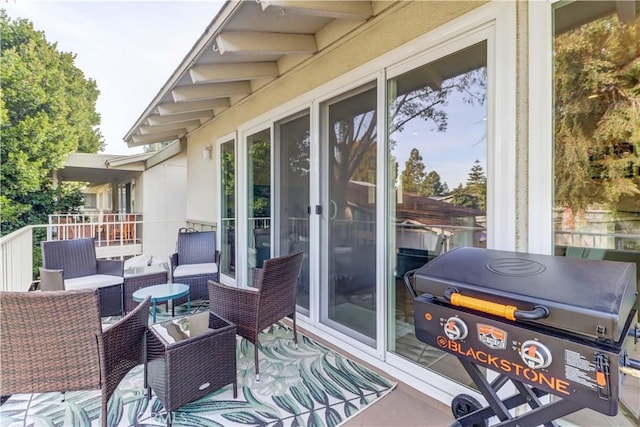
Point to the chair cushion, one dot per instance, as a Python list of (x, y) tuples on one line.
[(92, 282), (184, 270)]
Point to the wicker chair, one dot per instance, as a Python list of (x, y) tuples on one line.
[(273, 298), (72, 265), (195, 262), (53, 341)]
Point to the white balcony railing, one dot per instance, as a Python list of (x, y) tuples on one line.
[(17, 248)]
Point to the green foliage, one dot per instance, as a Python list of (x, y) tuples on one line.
[(228, 161), (47, 110), (416, 180), (597, 122), (156, 146), (414, 174), (474, 193), (260, 182)]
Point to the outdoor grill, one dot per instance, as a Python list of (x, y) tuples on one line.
[(548, 325)]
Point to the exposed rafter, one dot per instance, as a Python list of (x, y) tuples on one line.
[(218, 71), (175, 118), (332, 9), (210, 91), (189, 125), (158, 137), (187, 107), (246, 42), (233, 72)]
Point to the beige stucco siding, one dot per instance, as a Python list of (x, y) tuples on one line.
[(394, 26)]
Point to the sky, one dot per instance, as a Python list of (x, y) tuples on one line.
[(130, 48), (451, 153)]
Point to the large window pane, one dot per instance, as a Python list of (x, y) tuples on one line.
[(437, 187), (228, 208), (258, 200), (351, 216), (597, 132), (293, 192)]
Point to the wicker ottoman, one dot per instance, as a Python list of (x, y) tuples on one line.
[(141, 277), (189, 357)]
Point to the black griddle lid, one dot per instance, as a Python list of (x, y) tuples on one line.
[(595, 285)]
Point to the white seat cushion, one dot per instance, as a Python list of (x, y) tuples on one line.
[(92, 282), (195, 269)]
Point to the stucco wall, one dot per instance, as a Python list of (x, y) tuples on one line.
[(164, 188), (393, 27)]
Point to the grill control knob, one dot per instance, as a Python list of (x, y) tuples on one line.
[(535, 355), (455, 329)]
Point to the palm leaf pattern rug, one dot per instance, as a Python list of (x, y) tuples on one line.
[(308, 386)]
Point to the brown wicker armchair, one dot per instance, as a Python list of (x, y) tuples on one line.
[(72, 265), (53, 341), (254, 309), (195, 262)]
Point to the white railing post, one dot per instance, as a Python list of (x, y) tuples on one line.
[(17, 260)]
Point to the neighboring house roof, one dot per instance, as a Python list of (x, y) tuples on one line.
[(415, 209), (247, 46), (98, 169)]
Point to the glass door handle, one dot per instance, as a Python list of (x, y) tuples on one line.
[(335, 210)]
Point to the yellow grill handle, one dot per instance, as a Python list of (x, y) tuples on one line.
[(501, 310)]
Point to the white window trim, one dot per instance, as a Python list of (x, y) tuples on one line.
[(540, 183)]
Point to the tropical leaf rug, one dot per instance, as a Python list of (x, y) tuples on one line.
[(309, 386)]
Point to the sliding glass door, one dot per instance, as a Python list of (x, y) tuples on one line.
[(292, 136), (258, 200), (437, 186), (349, 140)]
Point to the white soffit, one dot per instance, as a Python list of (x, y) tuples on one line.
[(240, 49)]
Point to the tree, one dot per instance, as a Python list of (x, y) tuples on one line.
[(414, 174), (597, 122), (474, 193), (353, 138), (434, 186), (156, 146), (260, 173), (416, 180), (48, 111)]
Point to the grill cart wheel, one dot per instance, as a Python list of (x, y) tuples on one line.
[(463, 404)]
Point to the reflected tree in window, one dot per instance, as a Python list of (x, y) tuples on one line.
[(597, 118), (416, 179)]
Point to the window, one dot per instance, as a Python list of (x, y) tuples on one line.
[(596, 131), (90, 201), (437, 187)]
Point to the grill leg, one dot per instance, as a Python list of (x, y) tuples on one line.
[(542, 415), (497, 406)]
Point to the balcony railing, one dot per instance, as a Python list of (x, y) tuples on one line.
[(122, 238), (20, 250)]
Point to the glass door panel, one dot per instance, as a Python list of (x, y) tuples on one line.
[(293, 196), (437, 183), (596, 144), (258, 200), (349, 219), (228, 208)]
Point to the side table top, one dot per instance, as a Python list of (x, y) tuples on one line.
[(187, 327), (160, 293), (143, 271)]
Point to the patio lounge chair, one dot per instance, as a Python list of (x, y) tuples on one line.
[(273, 298), (72, 264), (54, 342), (195, 262)]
